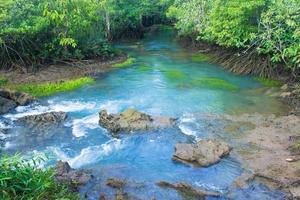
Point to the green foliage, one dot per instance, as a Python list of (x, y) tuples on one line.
[(201, 58), (269, 82), (22, 179), (36, 32), (3, 81), (46, 89), (279, 33), (126, 63), (214, 83), (267, 27)]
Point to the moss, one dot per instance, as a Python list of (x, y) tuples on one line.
[(176, 74), (3, 81), (126, 63), (201, 58), (214, 83), (46, 89), (144, 68), (268, 82)]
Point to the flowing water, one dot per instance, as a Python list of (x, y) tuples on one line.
[(166, 80)]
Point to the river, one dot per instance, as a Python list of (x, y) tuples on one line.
[(166, 80)]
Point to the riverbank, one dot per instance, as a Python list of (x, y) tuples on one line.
[(235, 62), (61, 72)]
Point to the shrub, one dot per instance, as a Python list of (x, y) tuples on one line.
[(22, 179)]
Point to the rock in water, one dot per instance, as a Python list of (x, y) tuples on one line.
[(10, 99), (20, 98), (72, 177), (188, 190), (204, 153), (132, 120), (6, 105), (49, 118), (115, 183)]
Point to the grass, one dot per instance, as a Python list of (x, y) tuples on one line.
[(126, 63), (21, 179), (47, 89), (215, 83), (201, 58), (268, 82), (176, 74), (3, 81)]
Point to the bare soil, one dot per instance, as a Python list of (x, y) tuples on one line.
[(60, 72)]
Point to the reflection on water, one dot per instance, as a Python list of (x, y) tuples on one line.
[(163, 81)]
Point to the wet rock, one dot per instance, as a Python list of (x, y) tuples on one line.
[(187, 190), (72, 177), (19, 98), (204, 153), (132, 120), (45, 119), (11, 99), (243, 180), (6, 105), (115, 183)]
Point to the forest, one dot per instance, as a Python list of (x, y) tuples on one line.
[(192, 60), (38, 32)]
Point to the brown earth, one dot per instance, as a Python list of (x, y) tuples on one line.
[(59, 72)]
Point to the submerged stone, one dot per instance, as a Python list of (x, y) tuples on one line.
[(204, 153), (72, 177), (115, 183), (187, 190)]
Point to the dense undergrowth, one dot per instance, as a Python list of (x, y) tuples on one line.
[(248, 29), (22, 179)]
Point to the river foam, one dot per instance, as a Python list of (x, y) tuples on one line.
[(88, 155)]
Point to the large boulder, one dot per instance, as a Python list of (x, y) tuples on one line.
[(72, 177), (6, 105), (132, 120), (187, 190), (204, 153)]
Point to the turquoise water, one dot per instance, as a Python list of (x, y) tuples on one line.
[(164, 81)]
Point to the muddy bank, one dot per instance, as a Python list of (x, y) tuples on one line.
[(59, 72), (265, 148)]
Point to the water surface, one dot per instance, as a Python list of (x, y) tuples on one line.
[(167, 81)]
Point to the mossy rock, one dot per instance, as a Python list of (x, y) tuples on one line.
[(47, 89), (176, 74), (269, 82), (214, 83), (201, 58), (126, 63)]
